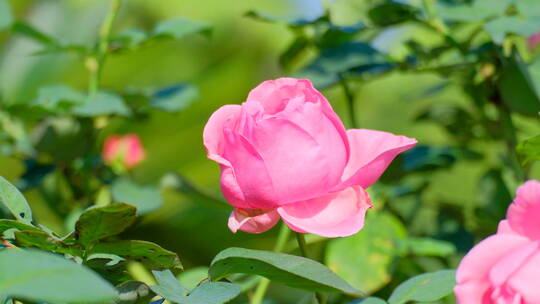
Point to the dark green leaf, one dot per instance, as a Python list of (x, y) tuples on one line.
[(427, 287), (133, 292), (102, 222), (145, 197), (102, 103), (44, 241), (529, 150), (43, 277), (517, 87), (287, 269), (294, 51), (29, 31), (33, 174), (11, 224), (5, 14), (150, 254), (175, 98), (168, 286), (15, 202), (392, 12), (365, 258), (179, 28), (426, 158)]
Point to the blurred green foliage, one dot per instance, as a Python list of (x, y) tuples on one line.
[(456, 75)]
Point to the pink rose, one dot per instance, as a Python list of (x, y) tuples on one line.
[(533, 41), (505, 267), (285, 153), (123, 151)]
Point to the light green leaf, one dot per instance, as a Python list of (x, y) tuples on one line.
[(58, 98), (43, 241), (370, 300), (477, 12), (528, 8), (426, 247), (193, 276), (287, 269), (15, 202), (145, 197), (102, 103), (175, 98), (365, 258), (43, 277), (102, 222), (213, 293), (529, 150), (11, 224), (501, 27), (168, 286), (179, 28), (148, 253), (5, 14), (427, 287)]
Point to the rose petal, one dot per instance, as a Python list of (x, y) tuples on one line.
[(333, 215), (213, 131), (371, 153), (524, 213), (525, 280), (239, 220), (473, 271), (504, 227)]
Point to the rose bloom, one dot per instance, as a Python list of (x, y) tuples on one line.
[(284, 153), (505, 267), (125, 151), (533, 41)]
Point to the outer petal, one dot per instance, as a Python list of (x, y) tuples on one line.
[(504, 228), (213, 131), (525, 280), (473, 271), (240, 220), (333, 215), (371, 153), (524, 213)]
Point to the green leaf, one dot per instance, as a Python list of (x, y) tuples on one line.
[(295, 19), (193, 276), (5, 14), (102, 103), (103, 222), (294, 51), (427, 287), (213, 293), (11, 224), (128, 39), (44, 241), (391, 13), (528, 8), (27, 30), (287, 269), (133, 292), (15, 202), (179, 28), (365, 258), (517, 87), (150, 254), (58, 98), (529, 150), (427, 247), (501, 27), (175, 98), (43, 277), (478, 11), (168, 286), (370, 300), (145, 197)]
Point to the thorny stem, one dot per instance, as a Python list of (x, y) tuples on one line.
[(282, 238), (95, 63)]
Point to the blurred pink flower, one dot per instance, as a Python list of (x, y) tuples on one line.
[(533, 41), (284, 153), (505, 267), (123, 151)]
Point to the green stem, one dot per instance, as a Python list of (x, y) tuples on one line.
[(282, 238), (510, 132), (300, 238), (349, 95), (439, 26), (95, 64)]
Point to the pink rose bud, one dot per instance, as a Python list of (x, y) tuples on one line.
[(533, 41), (284, 153), (505, 267), (123, 151)]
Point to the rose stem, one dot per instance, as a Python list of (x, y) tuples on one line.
[(282, 238), (303, 250), (350, 101)]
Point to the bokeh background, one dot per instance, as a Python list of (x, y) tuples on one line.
[(240, 53)]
